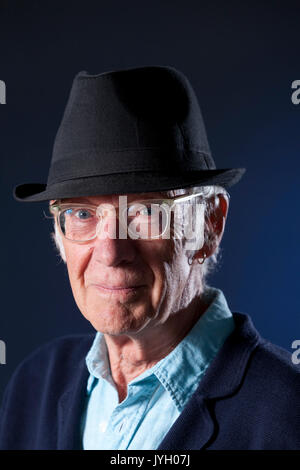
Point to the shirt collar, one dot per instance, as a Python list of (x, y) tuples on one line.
[(178, 372)]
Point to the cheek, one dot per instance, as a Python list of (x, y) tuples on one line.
[(170, 269), (77, 259)]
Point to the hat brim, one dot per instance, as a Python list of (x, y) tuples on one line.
[(126, 183)]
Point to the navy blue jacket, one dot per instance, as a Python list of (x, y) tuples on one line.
[(249, 398)]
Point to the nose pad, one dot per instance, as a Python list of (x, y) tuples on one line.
[(107, 228), (109, 224)]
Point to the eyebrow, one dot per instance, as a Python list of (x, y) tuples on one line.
[(83, 200)]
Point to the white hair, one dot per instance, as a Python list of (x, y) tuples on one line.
[(209, 194)]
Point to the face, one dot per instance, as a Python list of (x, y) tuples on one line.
[(126, 286)]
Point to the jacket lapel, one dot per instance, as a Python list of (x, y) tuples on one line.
[(193, 428), (196, 426), (70, 409)]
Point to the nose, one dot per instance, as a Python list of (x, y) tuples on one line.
[(109, 248)]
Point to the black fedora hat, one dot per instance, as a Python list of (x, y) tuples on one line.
[(129, 131)]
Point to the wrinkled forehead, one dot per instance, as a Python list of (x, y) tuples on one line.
[(130, 197)]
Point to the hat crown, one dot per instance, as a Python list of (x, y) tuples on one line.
[(129, 131), (139, 119)]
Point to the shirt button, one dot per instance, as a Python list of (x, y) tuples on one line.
[(103, 426)]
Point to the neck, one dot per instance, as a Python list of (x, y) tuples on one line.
[(131, 354)]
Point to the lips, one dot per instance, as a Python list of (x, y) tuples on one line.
[(121, 290), (112, 286), (116, 288)]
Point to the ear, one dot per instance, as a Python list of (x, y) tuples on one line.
[(214, 225)]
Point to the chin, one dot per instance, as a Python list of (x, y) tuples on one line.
[(118, 320)]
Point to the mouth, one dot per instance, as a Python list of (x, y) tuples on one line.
[(118, 290), (116, 287)]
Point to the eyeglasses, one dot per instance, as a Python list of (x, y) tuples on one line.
[(146, 219)]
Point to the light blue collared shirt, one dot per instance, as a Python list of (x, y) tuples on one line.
[(155, 398)]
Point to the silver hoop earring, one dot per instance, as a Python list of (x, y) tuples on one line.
[(190, 261), (202, 259)]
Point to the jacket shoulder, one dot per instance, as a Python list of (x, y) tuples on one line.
[(58, 348), (272, 367), (57, 358), (263, 411), (265, 359), (34, 389)]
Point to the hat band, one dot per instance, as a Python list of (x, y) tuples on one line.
[(96, 162)]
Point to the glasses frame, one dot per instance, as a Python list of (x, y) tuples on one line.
[(57, 207)]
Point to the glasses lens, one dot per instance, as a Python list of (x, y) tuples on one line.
[(147, 220), (78, 223), (143, 219)]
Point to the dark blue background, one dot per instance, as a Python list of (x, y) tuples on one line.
[(241, 58)]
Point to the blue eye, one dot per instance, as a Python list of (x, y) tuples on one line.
[(140, 210), (83, 214), (148, 211)]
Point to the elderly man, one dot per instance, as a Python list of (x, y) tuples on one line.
[(139, 211)]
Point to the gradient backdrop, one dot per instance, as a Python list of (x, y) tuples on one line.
[(241, 58)]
